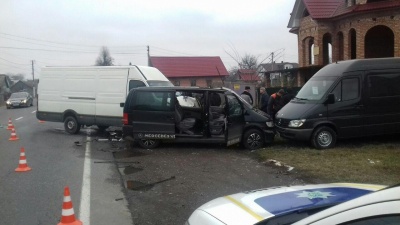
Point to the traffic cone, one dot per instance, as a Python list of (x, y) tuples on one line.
[(13, 136), (22, 166), (10, 125), (67, 214)]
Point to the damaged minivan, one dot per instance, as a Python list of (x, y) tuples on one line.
[(193, 115)]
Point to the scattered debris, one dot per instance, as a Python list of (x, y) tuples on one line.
[(280, 164)]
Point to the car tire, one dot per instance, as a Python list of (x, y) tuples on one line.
[(253, 139), (148, 143), (71, 125), (323, 138)]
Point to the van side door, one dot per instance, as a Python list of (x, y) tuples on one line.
[(347, 111), (235, 120), (383, 102), (153, 112)]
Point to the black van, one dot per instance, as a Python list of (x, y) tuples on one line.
[(345, 99), (195, 115)]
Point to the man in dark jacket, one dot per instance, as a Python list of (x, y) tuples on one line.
[(275, 103), (264, 100), (247, 96), (287, 97)]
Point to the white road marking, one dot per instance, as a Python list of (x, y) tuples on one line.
[(84, 209), (19, 118), (33, 111)]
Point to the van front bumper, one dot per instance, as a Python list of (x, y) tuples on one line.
[(294, 134)]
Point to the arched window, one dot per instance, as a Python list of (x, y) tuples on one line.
[(352, 44), (340, 46), (379, 42), (327, 48)]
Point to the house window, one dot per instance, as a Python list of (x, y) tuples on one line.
[(193, 82), (177, 83), (209, 83)]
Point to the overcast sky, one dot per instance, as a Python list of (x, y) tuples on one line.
[(71, 32)]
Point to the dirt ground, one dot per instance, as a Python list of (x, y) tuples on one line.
[(165, 185)]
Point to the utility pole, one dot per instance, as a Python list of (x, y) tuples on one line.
[(33, 77)]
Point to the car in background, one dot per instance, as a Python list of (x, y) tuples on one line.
[(336, 203), (19, 99)]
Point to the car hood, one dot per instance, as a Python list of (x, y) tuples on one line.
[(17, 99), (254, 206), (295, 110)]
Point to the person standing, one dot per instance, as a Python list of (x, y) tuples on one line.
[(275, 103), (264, 100), (247, 96), (287, 97)]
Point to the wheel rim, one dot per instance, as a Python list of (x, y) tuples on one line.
[(71, 124), (324, 138), (254, 140), (148, 142)]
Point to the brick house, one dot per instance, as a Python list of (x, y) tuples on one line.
[(333, 30), (191, 71)]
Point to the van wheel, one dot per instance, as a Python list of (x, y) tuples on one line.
[(71, 125), (253, 139), (323, 138), (148, 143)]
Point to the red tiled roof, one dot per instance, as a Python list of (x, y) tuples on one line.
[(189, 66), (248, 75), (320, 9), (323, 9), (378, 5)]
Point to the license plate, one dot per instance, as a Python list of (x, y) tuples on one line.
[(15, 104)]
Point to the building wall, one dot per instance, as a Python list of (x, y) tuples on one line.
[(361, 23), (200, 81)]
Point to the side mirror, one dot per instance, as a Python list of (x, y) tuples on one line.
[(121, 104), (330, 99)]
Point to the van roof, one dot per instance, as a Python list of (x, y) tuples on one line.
[(181, 88), (338, 68)]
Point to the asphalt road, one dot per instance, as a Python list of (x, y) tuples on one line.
[(57, 160), (113, 184)]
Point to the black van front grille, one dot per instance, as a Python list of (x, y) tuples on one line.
[(282, 122)]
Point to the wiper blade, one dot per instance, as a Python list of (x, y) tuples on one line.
[(301, 98)]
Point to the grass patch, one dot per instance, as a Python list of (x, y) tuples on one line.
[(372, 160)]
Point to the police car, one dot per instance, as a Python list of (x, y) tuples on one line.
[(338, 203)]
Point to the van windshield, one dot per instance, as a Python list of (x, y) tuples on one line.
[(315, 88), (159, 83)]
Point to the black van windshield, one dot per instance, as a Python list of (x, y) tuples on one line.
[(315, 88)]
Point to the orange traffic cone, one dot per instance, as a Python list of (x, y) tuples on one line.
[(13, 136), (10, 125), (23, 166), (67, 214)]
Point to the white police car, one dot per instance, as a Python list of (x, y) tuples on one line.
[(339, 203)]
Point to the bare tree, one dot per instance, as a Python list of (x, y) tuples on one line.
[(17, 76), (104, 58)]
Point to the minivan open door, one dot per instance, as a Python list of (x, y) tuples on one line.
[(235, 120)]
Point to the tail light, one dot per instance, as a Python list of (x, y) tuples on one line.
[(125, 119)]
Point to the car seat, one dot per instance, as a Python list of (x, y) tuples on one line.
[(216, 115), (183, 124)]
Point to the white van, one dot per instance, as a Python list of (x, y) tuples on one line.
[(90, 95)]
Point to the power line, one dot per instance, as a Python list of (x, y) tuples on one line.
[(14, 62)]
